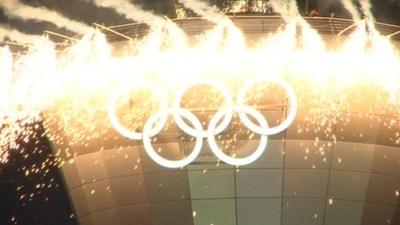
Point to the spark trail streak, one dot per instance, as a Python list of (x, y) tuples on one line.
[(15, 35), (205, 10), (366, 9), (130, 11), (14, 8), (350, 7)]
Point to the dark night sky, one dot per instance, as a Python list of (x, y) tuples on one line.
[(83, 11), (34, 199), (51, 207)]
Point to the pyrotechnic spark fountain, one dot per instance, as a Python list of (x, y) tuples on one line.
[(71, 89), (351, 8)]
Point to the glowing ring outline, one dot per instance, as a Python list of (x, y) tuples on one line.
[(229, 108), (112, 106), (213, 129), (172, 163), (237, 161), (292, 112)]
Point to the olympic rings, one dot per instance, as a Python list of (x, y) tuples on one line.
[(157, 121)]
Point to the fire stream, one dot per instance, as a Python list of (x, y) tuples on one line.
[(70, 90)]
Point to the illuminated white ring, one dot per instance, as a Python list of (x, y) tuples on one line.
[(203, 133), (112, 109), (172, 163), (271, 130), (237, 161)]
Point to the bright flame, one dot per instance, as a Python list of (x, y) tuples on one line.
[(71, 89)]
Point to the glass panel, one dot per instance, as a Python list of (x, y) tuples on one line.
[(212, 184), (259, 183), (99, 195), (122, 162), (378, 214), (174, 212), (307, 154), (340, 212), (217, 212), (348, 185), (106, 217), (259, 211), (387, 160), (303, 211), (167, 186), (134, 215), (128, 190), (383, 189), (272, 157), (306, 183), (353, 156)]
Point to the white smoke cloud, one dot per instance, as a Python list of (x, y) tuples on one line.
[(14, 8), (366, 9), (351, 8), (204, 9), (130, 11), (288, 9), (17, 36)]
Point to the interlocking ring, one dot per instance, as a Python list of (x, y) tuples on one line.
[(172, 163), (157, 122), (229, 108), (268, 130), (212, 142), (112, 106)]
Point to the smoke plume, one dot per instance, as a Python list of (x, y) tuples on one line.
[(366, 9), (130, 11), (17, 36), (351, 8), (203, 9), (14, 8), (288, 9)]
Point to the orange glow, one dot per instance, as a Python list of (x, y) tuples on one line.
[(71, 89)]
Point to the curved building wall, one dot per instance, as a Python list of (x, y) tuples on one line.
[(355, 181)]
